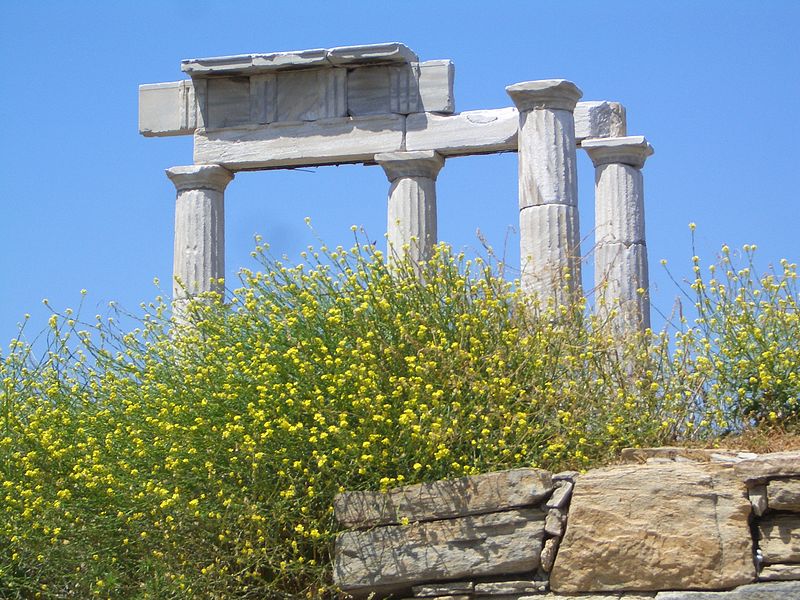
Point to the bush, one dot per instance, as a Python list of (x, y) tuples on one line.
[(202, 462)]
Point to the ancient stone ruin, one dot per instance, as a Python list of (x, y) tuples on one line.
[(381, 105), (671, 524)]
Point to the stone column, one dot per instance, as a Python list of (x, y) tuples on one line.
[(548, 188), (199, 258), (411, 224), (620, 259)]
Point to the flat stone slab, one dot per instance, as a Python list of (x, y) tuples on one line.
[(784, 494), (779, 538), (394, 558), (755, 591), (442, 589), (478, 494), (497, 588), (655, 527), (780, 573), (769, 466), (678, 454)]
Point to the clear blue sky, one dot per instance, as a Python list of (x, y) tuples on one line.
[(714, 85)]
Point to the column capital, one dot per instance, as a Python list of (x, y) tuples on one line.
[(421, 163), (556, 94), (631, 150), (210, 177)]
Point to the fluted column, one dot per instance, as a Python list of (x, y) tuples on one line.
[(548, 188), (199, 255), (620, 259), (411, 223)]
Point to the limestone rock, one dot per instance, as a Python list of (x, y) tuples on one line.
[(784, 494), (767, 466), (755, 591), (780, 573), (779, 538), (628, 530), (388, 559), (444, 499)]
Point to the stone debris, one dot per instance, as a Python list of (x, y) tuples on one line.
[(548, 556), (784, 494), (487, 493), (646, 511)]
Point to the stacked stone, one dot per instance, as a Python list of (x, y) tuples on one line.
[(477, 537), (774, 491)]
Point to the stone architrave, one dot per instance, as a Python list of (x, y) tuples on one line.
[(412, 202), (620, 271), (656, 527), (548, 188), (199, 259)]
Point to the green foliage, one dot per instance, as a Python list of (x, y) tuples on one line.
[(201, 461)]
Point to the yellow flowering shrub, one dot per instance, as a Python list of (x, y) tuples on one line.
[(202, 461)]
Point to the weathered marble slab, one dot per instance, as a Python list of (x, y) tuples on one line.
[(277, 145), (435, 82), (393, 52), (311, 95), (227, 101), (248, 64), (167, 109), (344, 56), (784, 494), (470, 132), (394, 558), (655, 527), (496, 588), (478, 494), (779, 538), (599, 119)]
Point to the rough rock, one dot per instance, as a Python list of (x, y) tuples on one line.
[(388, 559), (679, 454), (780, 573), (496, 588), (444, 499), (758, 499), (779, 538), (755, 591), (784, 494), (548, 555), (768, 466), (560, 495), (442, 589), (566, 476), (629, 526), (554, 522)]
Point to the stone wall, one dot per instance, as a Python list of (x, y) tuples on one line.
[(669, 523)]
